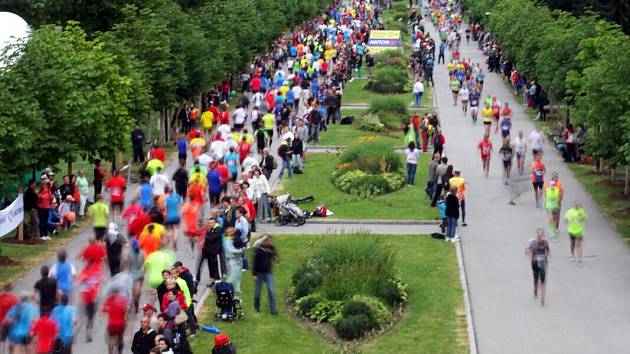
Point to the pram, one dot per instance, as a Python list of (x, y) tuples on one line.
[(229, 306), (289, 212)]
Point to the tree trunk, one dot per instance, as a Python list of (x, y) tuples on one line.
[(612, 175), (599, 165), (626, 180), (149, 127), (69, 167)]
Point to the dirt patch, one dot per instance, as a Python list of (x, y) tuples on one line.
[(31, 241), (8, 261), (608, 183), (621, 196)]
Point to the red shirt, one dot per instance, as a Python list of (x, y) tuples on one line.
[(486, 147), (193, 133), (116, 186), (243, 149), (158, 153), (89, 282), (255, 84), (180, 298), (215, 113), (7, 300), (539, 168), (224, 117), (269, 96), (224, 172), (136, 226), (44, 198), (45, 330), (94, 252), (196, 192), (115, 306)]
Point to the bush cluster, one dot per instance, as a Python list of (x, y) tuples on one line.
[(372, 157), (352, 289), (388, 79), (370, 122), (391, 111), (359, 183)]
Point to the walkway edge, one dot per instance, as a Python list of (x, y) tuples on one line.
[(470, 324), (372, 222)]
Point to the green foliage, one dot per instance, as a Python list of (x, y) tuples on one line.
[(372, 157), (393, 292), (392, 112), (353, 327), (306, 279), (383, 313), (304, 305), (387, 79), (326, 311), (391, 58), (355, 307), (369, 122)]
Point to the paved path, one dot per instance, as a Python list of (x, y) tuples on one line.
[(587, 307)]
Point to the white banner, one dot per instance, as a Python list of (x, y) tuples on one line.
[(12, 216)]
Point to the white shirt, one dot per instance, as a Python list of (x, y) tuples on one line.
[(217, 149), (418, 87), (464, 94), (159, 182), (288, 135), (297, 90), (239, 115), (519, 144), (412, 156), (261, 185), (537, 139), (225, 130), (248, 163), (204, 160), (257, 99)]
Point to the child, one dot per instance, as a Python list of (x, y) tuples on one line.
[(442, 208), (64, 209), (54, 220)]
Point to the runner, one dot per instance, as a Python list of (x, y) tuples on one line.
[(115, 307), (464, 96), (485, 146), (538, 178), (506, 151), (455, 87), (552, 204), (538, 252), (116, 186), (520, 145), (474, 104), (536, 140), (575, 218), (486, 113), (173, 203)]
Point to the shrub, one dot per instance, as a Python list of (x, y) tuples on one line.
[(369, 122), (391, 58), (372, 157), (394, 180), (353, 327), (388, 104), (326, 311), (306, 279), (303, 306), (388, 79), (383, 313), (393, 292), (354, 308)]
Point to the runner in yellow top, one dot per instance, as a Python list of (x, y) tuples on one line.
[(575, 218), (486, 114), (455, 87), (459, 182), (552, 204)]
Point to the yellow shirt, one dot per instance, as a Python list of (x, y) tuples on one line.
[(487, 114), (460, 183), (283, 90), (268, 120), (206, 119)]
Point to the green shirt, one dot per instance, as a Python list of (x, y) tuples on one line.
[(552, 198), (184, 288), (155, 263), (83, 185), (268, 120), (99, 212), (576, 219), (455, 86)]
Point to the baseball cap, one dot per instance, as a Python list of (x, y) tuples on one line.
[(147, 307)]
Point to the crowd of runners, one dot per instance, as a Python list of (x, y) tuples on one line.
[(207, 208), (466, 82)]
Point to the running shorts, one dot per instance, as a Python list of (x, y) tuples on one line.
[(575, 236), (507, 163), (116, 329), (539, 271), (170, 222), (538, 185)]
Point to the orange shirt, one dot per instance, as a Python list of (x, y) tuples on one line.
[(538, 168), (151, 241)]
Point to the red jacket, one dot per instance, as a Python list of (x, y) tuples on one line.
[(180, 298)]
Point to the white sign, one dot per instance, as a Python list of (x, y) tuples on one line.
[(12, 216)]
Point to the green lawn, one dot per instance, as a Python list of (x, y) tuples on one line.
[(408, 203), (345, 135), (354, 92), (433, 322), (617, 211)]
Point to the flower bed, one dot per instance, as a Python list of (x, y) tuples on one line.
[(350, 283)]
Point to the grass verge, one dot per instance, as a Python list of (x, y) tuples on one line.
[(346, 135), (433, 322), (607, 197), (404, 204)]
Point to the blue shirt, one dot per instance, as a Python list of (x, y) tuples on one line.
[(214, 181), (231, 160), (146, 195), (243, 226), (64, 316), (290, 97), (23, 315), (63, 274), (293, 51), (173, 201), (181, 146)]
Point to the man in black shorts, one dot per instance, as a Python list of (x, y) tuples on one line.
[(538, 250)]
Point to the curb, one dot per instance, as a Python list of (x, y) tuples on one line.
[(470, 325), (372, 222)]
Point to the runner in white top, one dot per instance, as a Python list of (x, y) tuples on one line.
[(536, 139), (158, 181), (217, 149), (520, 148), (464, 96)]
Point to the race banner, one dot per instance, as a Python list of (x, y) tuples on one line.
[(12, 216), (384, 40)]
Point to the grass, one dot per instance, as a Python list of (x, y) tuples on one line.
[(432, 323), (355, 93), (617, 211), (404, 204), (345, 135), (32, 256)]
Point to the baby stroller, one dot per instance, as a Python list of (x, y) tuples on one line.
[(229, 306), (289, 212)]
